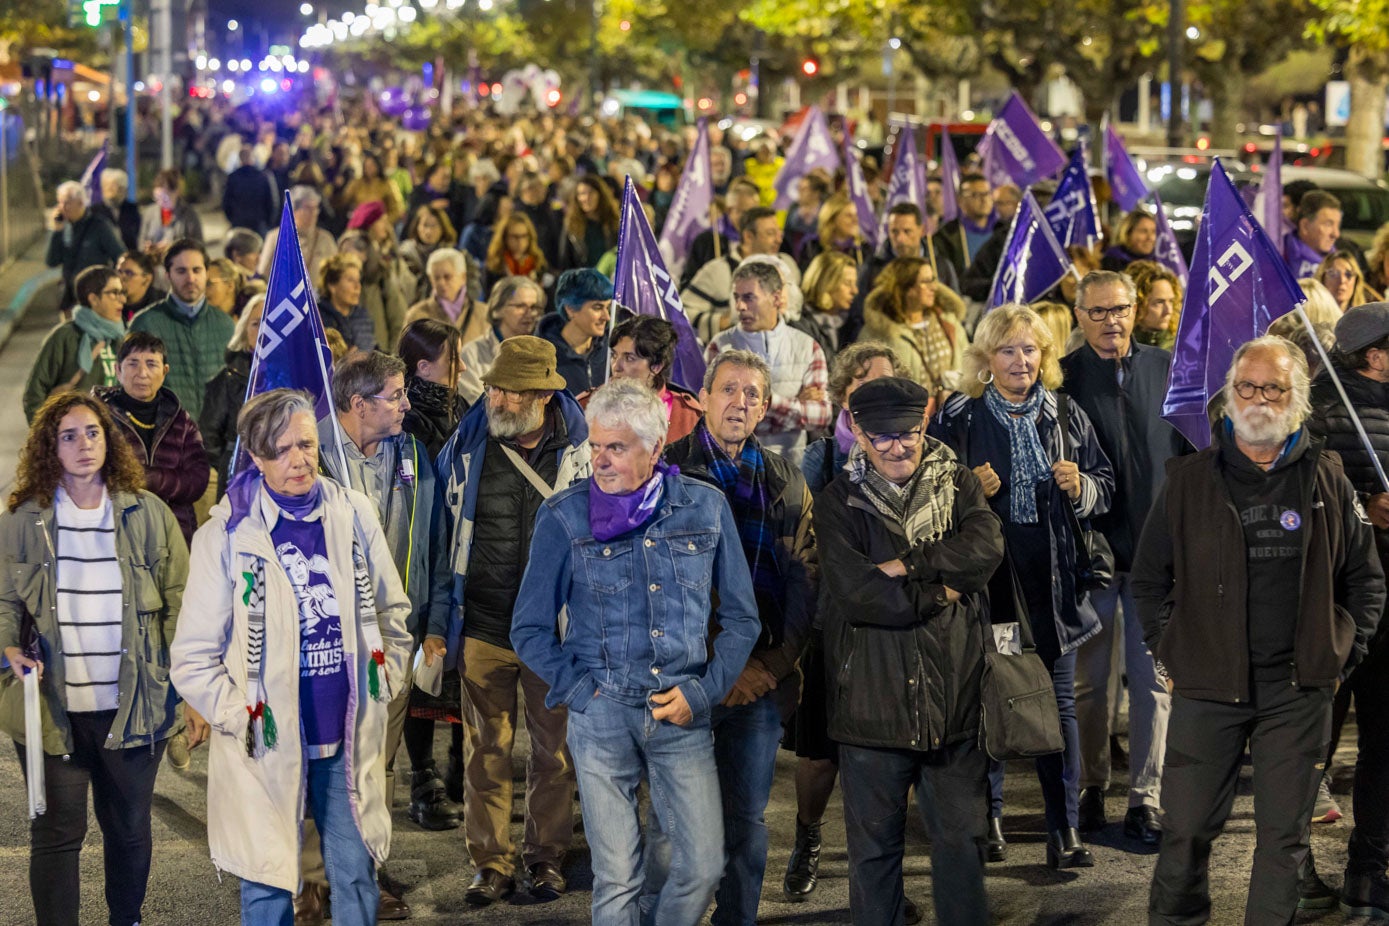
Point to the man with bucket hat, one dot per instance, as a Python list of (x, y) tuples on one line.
[(524, 441)]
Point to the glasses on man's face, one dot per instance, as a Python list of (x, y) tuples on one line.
[(116, 293), (127, 273), (1100, 312), (394, 398), (975, 194), (1272, 392), (883, 442), (507, 394)]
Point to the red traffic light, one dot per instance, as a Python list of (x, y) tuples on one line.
[(810, 67)]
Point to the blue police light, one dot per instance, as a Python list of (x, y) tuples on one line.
[(269, 85)]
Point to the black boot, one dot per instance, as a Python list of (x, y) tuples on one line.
[(804, 864), (995, 846), (1065, 850), (1312, 892), (428, 805), (453, 778)]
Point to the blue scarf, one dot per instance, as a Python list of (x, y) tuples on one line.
[(94, 328), (188, 310), (1030, 462)]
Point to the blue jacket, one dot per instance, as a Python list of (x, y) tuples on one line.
[(638, 607), (459, 464), (967, 425)]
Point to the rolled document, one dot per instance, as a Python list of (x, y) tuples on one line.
[(33, 745)]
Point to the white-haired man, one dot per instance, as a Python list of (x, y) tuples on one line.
[(80, 238), (1258, 589)]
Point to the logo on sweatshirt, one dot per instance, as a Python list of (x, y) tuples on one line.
[(1290, 520)]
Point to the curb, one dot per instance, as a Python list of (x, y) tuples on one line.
[(10, 315)]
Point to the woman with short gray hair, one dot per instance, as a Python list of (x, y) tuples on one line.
[(450, 301), (514, 309), (292, 642)]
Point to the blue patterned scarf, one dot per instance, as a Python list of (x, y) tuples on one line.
[(1030, 462), (744, 484)]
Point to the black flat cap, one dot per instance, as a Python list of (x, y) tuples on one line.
[(889, 405)]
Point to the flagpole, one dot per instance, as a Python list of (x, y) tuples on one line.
[(1341, 391)]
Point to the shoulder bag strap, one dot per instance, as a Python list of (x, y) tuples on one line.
[(525, 469)]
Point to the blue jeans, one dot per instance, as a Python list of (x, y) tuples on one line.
[(613, 746), (351, 872), (1059, 774)]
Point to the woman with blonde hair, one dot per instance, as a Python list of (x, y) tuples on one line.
[(1059, 321), (837, 229), (1135, 239), (1159, 303), (340, 301), (1340, 274), (916, 316), (514, 251), (1005, 425)]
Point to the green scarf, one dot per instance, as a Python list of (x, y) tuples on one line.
[(94, 328)]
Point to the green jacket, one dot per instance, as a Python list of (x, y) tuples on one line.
[(154, 564), (196, 347), (56, 364)]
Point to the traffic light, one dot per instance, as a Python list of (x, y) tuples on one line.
[(91, 12), (810, 67)]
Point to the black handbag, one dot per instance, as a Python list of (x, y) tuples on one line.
[(1020, 719), (1094, 557)]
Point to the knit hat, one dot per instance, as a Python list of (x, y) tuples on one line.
[(889, 405), (365, 215), (524, 363)]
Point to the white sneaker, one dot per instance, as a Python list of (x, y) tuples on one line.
[(1326, 810)]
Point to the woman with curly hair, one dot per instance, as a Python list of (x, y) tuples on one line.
[(919, 319), (95, 623), (590, 224), (1159, 303)]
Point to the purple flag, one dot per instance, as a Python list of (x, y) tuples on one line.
[(858, 195), (1125, 182), (949, 179), (813, 147), (908, 184), (1016, 150), (689, 210), (1167, 251), (1033, 262), (1071, 212), (91, 177), (641, 284), (291, 351), (1239, 286), (1271, 191)]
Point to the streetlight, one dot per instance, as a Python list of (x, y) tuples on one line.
[(306, 9), (233, 25)]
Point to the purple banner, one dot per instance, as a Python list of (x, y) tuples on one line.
[(642, 284), (1033, 262), (908, 184), (1125, 182), (91, 177), (1016, 150), (858, 194), (689, 210), (1239, 286), (813, 147), (1271, 192), (949, 179), (291, 351), (1167, 251), (1071, 212)]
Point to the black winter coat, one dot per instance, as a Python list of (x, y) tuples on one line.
[(223, 397), (434, 412)]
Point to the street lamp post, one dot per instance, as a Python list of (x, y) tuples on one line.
[(1176, 35)]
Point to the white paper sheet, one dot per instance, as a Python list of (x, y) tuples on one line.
[(33, 745)]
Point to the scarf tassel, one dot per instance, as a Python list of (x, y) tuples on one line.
[(261, 734)]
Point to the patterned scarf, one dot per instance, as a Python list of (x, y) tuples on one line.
[(1030, 462), (924, 505), (744, 483)]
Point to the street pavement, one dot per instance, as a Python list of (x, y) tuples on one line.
[(186, 889)]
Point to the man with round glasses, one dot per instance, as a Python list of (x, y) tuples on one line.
[(1120, 383), (1258, 589)]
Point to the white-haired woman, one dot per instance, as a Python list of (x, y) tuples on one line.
[(450, 300), (315, 242), (291, 644)]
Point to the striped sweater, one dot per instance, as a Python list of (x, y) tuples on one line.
[(89, 603)]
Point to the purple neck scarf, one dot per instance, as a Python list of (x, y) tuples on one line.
[(843, 433), (298, 507), (611, 516), (1300, 256)]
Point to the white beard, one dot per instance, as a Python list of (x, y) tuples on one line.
[(1260, 424)]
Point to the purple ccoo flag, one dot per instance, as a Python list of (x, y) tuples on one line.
[(291, 351), (1016, 150), (1167, 251), (642, 284), (1033, 262), (1125, 182), (689, 210), (908, 184), (949, 179), (813, 147), (858, 195), (1071, 212), (91, 177), (1239, 286)]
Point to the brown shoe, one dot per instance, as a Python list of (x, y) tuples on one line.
[(392, 905), (547, 882), (311, 905), (488, 887)]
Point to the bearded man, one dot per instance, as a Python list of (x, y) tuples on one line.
[(1258, 588)]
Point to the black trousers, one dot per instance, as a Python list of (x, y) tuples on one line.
[(1287, 730), (951, 794), (122, 784), (1368, 851)]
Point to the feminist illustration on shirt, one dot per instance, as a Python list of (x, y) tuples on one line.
[(318, 610)]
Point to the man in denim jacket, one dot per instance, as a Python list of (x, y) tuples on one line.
[(614, 613)]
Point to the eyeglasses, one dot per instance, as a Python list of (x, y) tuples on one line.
[(976, 194), (114, 292), (883, 442), (1100, 312), (392, 399), (129, 274), (1271, 391), (507, 394)]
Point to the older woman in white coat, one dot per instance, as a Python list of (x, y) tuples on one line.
[(292, 641)]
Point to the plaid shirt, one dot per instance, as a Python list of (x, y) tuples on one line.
[(786, 413)]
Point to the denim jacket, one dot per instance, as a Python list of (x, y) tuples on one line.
[(637, 607)]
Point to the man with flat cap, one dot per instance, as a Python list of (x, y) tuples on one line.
[(525, 441), (907, 544), (1361, 362)]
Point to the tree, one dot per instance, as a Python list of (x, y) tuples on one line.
[(1364, 25)]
